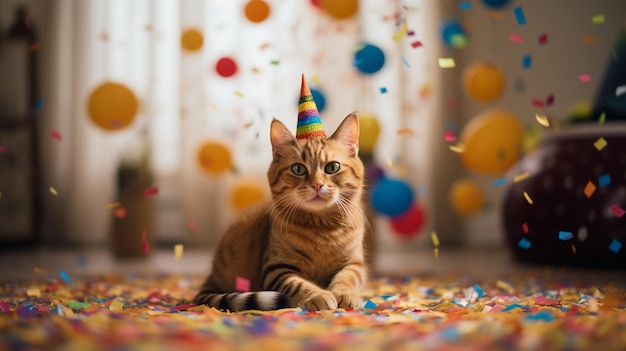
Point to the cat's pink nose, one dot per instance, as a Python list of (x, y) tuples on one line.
[(317, 186)]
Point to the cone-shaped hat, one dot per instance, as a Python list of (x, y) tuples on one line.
[(309, 122)]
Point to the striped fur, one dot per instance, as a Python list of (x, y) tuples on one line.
[(304, 247)]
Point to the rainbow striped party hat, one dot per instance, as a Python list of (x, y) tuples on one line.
[(309, 122)]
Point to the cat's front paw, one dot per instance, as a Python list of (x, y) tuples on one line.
[(324, 300), (347, 299)]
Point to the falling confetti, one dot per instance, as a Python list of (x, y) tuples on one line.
[(383, 90), (416, 44), (446, 62), (449, 136), (457, 149), (615, 246), (435, 239), (192, 225), (527, 197), (604, 180), (543, 38), (242, 284), (597, 19), (525, 227), (600, 143), (405, 131), (584, 78), (145, 246), (406, 63), (590, 188), (602, 118), (178, 251), (53, 191), (150, 192), (617, 211), (527, 61), (564, 235), (520, 177), (465, 5), (620, 90), (519, 15), (588, 39), (401, 32), (543, 120), (516, 38), (65, 277), (56, 135), (499, 182), (524, 243), (120, 212)]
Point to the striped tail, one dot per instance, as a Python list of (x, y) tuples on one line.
[(243, 301)]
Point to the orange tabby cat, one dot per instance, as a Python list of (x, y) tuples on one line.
[(304, 248)]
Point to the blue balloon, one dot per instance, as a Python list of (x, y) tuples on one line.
[(495, 4), (453, 34), (319, 99), (369, 59), (392, 197)]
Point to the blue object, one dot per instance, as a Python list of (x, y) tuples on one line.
[(524, 243), (465, 5), (392, 197), (320, 100), (615, 246), (519, 15), (495, 4), (453, 34), (565, 235), (604, 180), (526, 61), (544, 316), (65, 277), (479, 291), (369, 59), (370, 305)]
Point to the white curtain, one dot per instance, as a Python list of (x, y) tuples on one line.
[(184, 102)]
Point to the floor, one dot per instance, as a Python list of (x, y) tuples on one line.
[(486, 263)]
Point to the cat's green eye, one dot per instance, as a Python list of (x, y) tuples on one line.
[(332, 167), (298, 169)]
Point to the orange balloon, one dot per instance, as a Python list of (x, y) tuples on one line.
[(483, 81), (492, 142), (466, 197), (257, 11), (214, 158), (191, 39), (112, 106), (246, 193), (340, 9)]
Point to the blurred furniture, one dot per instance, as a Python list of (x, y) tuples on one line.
[(20, 205)]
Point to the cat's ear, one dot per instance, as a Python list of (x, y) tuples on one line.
[(348, 133), (281, 137)]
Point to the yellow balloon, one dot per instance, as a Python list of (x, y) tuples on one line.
[(246, 193), (465, 197), (112, 106), (214, 158), (483, 81), (369, 129), (191, 39), (340, 9), (492, 142)]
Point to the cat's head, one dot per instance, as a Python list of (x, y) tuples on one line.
[(316, 174)]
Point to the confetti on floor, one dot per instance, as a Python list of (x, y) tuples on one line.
[(451, 312)]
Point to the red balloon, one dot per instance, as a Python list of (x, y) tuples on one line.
[(226, 67), (410, 222)]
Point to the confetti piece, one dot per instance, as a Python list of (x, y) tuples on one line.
[(504, 286), (242, 284), (178, 251), (597, 19), (550, 100), (516, 38), (600, 143), (38, 104), (588, 39), (449, 136), (520, 177), (584, 78), (401, 32), (519, 15), (543, 120), (604, 180), (589, 189), (543, 38), (239, 94), (479, 291), (53, 191), (56, 135), (446, 62), (33, 292), (499, 182), (527, 197), (620, 90), (602, 118), (2, 149), (525, 227), (457, 149), (406, 63), (120, 212), (369, 304), (524, 243), (617, 211), (465, 5), (383, 90), (113, 205), (65, 277), (405, 131), (274, 62), (416, 44), (564, 235), (77, 305), (434, 238), (192, 225), (150, 192), (213, 107), (116, 305), (615, 246), (527, 61), (538, 103), (145, 246)]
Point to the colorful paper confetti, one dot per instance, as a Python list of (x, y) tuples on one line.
[(584, 78), (65, 277), (383, 90), (401, 32), (617, 211), (543, 120), (449, 136), (150, 191), (178, 251), (597, 19), (56, 135), (519, 15), (527, 61), (528, 199), (615, 246), (620, 90), (456, 148), (516, 38), (446, 62), (416, 44), (406, 62), (520, 177), (464, 5), (524, 243), (565, 235), (525, 227), (242, 284), (604, 180), (499, 182), (600, 143), (53, 191), (590, 188), (116, 305), (543, 38)]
